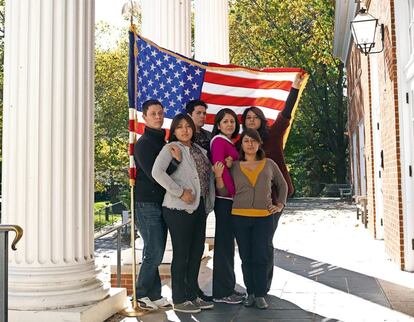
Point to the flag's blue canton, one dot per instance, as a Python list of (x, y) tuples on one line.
[(166, 78)]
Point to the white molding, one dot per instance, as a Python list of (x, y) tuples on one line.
[(344, 13), (405, 74)]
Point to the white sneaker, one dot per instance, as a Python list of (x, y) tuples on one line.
[(162, 303), (146, 304)]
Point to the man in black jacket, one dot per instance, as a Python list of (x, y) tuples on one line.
[(149, 196)]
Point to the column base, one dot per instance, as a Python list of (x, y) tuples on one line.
[(98, 312)]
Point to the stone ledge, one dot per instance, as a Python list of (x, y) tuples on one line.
[(97, 312)]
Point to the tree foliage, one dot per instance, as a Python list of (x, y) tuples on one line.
[(111, 115), (266, 33)]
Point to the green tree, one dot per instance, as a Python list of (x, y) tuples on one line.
[(111, 114), (299, 34)]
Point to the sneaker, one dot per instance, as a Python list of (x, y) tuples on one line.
[(200, 303), (249, 301), (204, 296), (146, 304), (162, 303), (186, 307), (231, 299), (242, 294), (260, 303)]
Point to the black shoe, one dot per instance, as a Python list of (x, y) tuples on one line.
[(249, 301), (260, 303), (204, 296), (242, 294)]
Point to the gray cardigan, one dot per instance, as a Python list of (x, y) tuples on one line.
[(258, 196), (185, 176)]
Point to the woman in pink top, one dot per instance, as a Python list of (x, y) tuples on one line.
[(226, 127)]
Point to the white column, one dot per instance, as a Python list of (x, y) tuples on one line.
[(211, 31), (47, 176), (168, 24)]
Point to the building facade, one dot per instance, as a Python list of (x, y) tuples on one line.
[(381, 121)]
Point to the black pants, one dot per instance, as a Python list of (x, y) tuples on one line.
[(271, 262), (252, 235), (224, 279), (188, 232)]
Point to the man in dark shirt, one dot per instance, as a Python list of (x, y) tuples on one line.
[(149, 196), (197, 109)]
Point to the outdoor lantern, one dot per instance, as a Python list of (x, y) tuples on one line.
[(364, 27)]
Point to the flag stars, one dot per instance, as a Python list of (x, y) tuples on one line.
[(166, 95), (144, 89), (164, 71), (146, 73), (177, 112), (187, 92), (155, 92), (189, 78), (184, 69), (158, 62), (194, 85), (174, 89), (197, 72), (169, 80), (150, 82), (162, 86), (157, 76), (179, 97), (152, 67), (171, 65), (154, 53), (166, 57)]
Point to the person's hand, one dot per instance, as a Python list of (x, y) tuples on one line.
[(298, 80), (218, 169), (187, 196), (275, 208), (229, 161), (175, 152)]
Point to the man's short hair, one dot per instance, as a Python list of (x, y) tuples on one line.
[(148, 103), (189, 107)]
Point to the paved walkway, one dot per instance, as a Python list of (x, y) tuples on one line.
[(327, 268)]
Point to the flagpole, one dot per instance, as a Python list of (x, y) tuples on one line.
[(135, 310)]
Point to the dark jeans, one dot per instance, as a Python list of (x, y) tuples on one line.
[(188, 232), (224, 279), (271, 262), (153, 231), (252, 235)]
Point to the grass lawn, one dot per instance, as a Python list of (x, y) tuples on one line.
[(99, 211)]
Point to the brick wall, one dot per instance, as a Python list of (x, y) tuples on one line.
[(358, 70)]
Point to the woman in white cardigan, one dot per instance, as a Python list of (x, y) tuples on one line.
[(189, 197)]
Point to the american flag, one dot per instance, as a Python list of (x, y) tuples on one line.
[(157, 73)]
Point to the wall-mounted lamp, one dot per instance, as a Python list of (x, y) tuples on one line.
[(363, 28)]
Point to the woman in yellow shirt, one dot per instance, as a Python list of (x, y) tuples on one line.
[(254, 175)]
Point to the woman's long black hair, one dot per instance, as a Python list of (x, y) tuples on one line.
[(219, 116), (264, 128), (176, 120)]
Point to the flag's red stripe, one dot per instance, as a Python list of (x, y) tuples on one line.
[(131, 149), (267, 70), (131, 125), (242, 101), (235, 81), (210, 119)]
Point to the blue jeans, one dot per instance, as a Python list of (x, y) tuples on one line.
[(153, 231)]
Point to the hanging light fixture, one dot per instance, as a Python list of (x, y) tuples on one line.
[(364, 28)]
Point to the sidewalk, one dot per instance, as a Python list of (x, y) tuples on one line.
[(327, 268)]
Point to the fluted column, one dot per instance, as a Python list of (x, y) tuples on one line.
[(47, 177), (168, 23), (211, 31)]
